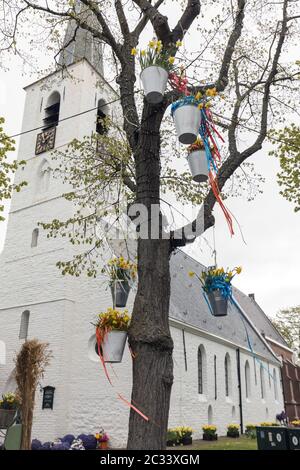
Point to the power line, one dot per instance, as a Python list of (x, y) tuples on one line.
[(135, 92)]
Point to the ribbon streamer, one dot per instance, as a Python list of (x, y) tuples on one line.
[(100, 336)]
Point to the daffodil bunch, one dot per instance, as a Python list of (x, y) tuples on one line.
[(183, 431), (9, 401), (296, 423), (120, 269), (232, 427), (113, 319), (216, 278), (209, 429), (267, 424), (155, 54), (198, 145)]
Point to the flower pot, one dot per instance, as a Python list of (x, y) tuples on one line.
[(187, 122), (113, 346), (187, 440), (103, 445), (233, 434), (120, 291), (198, 165), (210, 437), (218, 303), (154, 81), (6, 418)]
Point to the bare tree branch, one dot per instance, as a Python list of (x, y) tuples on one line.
[(159, 21), (190, 13), (222, 81), (122, 18), (143, 22)]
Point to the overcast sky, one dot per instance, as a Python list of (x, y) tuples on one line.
[(271, 256)]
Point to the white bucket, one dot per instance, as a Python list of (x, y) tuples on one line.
[(154, 81), (198, 165), (113, 346), (187, 122)]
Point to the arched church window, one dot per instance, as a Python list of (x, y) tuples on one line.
[(210, 415), (247, 380), (35, 238), (102, 112), (215, 376), (227, 367), (201, 369), (44, 175), (52, 109), (262, 382), (275, 384), (2, 353), (24, 325)]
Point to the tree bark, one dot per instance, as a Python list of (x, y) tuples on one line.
[(152, 348), (149, 334)]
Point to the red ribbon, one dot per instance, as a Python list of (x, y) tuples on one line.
[(100, 336)]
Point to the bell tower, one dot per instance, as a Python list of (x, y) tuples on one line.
[(36, 301), (80, 43)]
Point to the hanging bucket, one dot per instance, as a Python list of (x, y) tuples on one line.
[(154, 81), (120, 291), (187, 122), (113, 346), (198, 165), (6, 418), (218, 303)]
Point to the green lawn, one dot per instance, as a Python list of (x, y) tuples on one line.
[(223, 443)]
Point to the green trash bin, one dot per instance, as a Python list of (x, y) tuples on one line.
[(272, 438), (294, 438)]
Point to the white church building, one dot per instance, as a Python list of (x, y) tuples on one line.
[(217, 379)]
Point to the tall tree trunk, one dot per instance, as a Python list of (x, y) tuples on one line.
[(149, 333), (152, 346)]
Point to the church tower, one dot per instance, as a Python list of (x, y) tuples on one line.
[(36, 300)]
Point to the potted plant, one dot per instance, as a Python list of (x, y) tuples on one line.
[(102, 440), (216, 284), (250, 431), (111, 334), (8, 408), (156, 64), (296, 423), (233, 430), (197, 161), (186, 435), (172, 438), (122, 275), (209, 432)]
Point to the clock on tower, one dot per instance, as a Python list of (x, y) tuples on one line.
[(45, 141)]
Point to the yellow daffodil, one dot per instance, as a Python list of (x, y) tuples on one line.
[(171, 60), (239, 269), (178, 43), (198, 96), (134, 51), (200, 106), (191, 274), (152, 43), (211, 92)]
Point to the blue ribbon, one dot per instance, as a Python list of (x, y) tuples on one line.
[(183, 102)]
